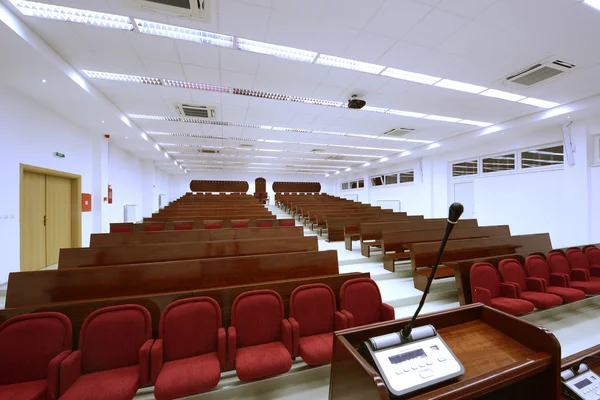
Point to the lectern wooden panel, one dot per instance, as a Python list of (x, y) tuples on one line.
[(502, 355)]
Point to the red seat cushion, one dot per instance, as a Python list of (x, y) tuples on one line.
[(183, 227), (512, 306), (239, 225), (188, 376), (120, 229), (32, 390), (261, 361), (153, 228), (113, 384), (287, 222), (265, 224), (317, 349), (588, 287), (541, 300), (568, 295), (212, 226)]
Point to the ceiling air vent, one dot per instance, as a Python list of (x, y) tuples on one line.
[(196, 111), (197, 9), (208, 151), (539, 73), (398, 132)]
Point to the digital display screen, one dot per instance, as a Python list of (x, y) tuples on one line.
[(583, 383), (434, 347), (398, 358)]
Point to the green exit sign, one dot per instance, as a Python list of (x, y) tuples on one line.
[(59, 155)]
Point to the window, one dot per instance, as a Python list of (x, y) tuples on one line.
[(391, 179), (361, 183), (353, 185), (408, 176), (465, 168), (345, 186), (504, 162), (376, 181), (542, 157)]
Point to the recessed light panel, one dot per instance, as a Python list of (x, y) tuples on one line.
[(410, 76), (347, 63), (179, 32), (288, 53), (539, 103), (461, 86), (502, 95)]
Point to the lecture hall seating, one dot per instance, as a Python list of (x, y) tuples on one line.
[(360, 302), (558, 284)]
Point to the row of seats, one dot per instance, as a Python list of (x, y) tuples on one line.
[(117, 354), (181, 226), (544, 282)]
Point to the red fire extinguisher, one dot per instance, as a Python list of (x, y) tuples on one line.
[(109, 194)]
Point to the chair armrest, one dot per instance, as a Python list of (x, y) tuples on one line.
[(70, 371), (482, 295), (145, 363), (349, 317), (387, 312), (222, 348), (510, 290), (54, 375), (536, 284), (341, 321), (561, 280), (286, 334), (295, 337), (595, 270), (578, 274), (156, 360), (231, 346)]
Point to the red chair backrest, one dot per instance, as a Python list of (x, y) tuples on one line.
[(484, 275), (511, 270), (361, 297), (265, 224), (153, 228), (577, 259), (212, 226), (111, 337), (120, 228), (29, 342), (537, 267), (558, 263), (183, 227), (257, 316), (593, 255), (189, 328), (313, 306), (239, 224)]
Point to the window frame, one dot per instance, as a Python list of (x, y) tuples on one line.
[(542, 167)]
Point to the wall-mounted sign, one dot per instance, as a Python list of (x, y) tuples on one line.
[(59, 155)]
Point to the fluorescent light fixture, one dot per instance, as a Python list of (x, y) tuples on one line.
[(476, 123), (540, 103), (50, 11), (433, 146), (348, 169), (593, 3), (442, 118), (374, 109), (279, 128), (347, 63), (419, 141), (144, 136), (326, 175), (410, 76), (143, 116), (288, 53), (194, 85), (166, 154), (337, 172), (121, 77), (318, 102), (266, 127), (461, 86), (406, 113), (273, 141), (405, 153), (157, 147), (384, 159), (273, 150), (502, 95), (366, 164), (179, 32), (491, 129), (175, 162)]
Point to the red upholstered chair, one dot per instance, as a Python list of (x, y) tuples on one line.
[(530, 289), (113, 359), (313, 317), (578, 260), (287, 222), (593, 255), (259, 338), (360, 302), (32, 347), (239, 223), (486, 288), (537, 267), (577, 278), (265, 223), (183, 226), (153, 228), (189, 354), (120, 228), (212, 224)]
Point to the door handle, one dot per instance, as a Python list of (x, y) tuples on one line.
[(45, 220)]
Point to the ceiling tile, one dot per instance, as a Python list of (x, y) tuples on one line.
[(402, 54), (468, 37), (368, 47), (331, 40), (202, 55), (239, 61), (211, 76), (341, 77), (465, 8), (354, 13), (242, 19), (237, 79), (434, 28), (154, 47), (164, 69), (395, 18)]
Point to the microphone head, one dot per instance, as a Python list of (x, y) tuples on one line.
[(455, 211)]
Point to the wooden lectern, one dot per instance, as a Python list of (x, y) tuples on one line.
[(504, 358)]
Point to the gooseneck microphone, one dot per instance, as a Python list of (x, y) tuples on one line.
[(454, 213)]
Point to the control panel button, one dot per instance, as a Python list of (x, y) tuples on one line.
[(598, 393), (406, 367), (426, 373), (421, 363), (398, 369), (429, 362), (441, 358)]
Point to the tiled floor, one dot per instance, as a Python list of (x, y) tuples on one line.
[(574, 325)]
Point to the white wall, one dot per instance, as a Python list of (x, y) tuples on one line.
[(30, 133)]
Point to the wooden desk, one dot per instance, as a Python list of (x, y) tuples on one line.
[(501, 354), (593, 363)]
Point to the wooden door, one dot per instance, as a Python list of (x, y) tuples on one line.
[(33, 230), (58, 216)]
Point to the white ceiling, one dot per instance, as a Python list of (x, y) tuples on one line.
[(474, 41)]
